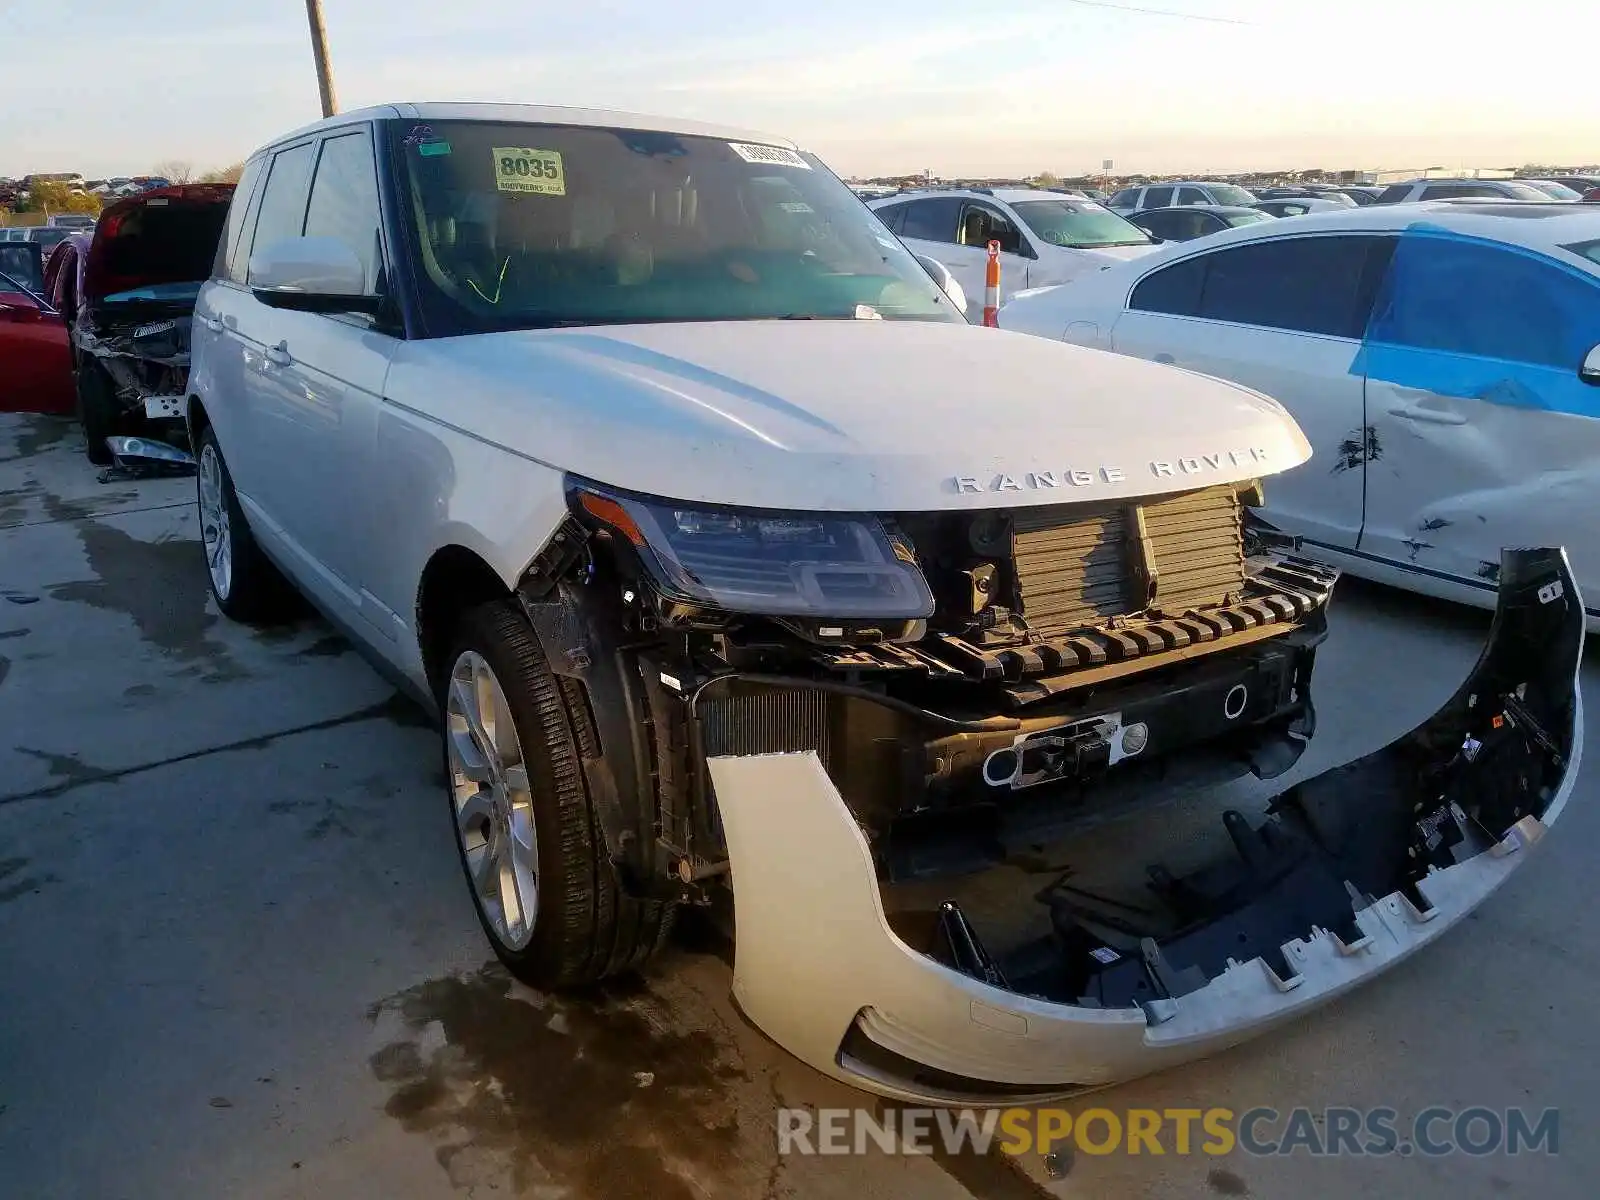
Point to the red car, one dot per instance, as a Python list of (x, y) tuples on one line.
[(35, 356), (1592, 196)]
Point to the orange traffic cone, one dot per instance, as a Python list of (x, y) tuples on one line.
[(991, 288)]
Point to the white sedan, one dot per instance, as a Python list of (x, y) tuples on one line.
[(1443, 359)]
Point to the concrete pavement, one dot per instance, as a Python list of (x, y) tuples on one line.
[(237, 957)]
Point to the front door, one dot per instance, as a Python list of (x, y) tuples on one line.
[(315, 391), (1485, 433), (977, 226)]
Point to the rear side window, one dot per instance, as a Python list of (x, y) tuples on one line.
[(283, 204), (1321, 285), (1464, 297), (1157, 197), (233, 232), (344, 200), (932, 220), (1318, 285)]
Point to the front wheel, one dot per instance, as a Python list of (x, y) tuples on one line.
[(530, 842)]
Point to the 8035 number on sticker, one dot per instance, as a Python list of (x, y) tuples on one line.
[(539, 172)]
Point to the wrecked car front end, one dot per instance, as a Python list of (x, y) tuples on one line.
[(142, 274), (1346, 874), (1014, 687)]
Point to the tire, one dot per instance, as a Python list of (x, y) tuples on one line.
[(246, 585), (97, 410), (584, 928)]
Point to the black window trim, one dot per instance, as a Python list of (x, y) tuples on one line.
[(247, 227), (1371, 287), (273, 152)]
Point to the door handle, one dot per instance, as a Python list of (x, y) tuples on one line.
[(212, 324), (1428, 416), (279, 356)]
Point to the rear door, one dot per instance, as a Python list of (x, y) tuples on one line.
[(1485, 433), (928, 226), (1285, 316)]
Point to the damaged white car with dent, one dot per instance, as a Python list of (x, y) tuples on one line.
[(737, 564)]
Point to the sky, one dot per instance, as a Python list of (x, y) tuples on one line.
[(958, 87)]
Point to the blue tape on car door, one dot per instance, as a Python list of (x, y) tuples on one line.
[(1473, 319)]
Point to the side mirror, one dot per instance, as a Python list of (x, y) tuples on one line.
[(1590, 371), (946, 281), (311, 274)]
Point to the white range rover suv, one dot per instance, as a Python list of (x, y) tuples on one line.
[(730, 556)]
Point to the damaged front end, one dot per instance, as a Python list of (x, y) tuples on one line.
[(1347, 873), (131, 335)]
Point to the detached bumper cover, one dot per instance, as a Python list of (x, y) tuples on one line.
[(818, 968)]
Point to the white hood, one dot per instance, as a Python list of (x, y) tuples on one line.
[(847, 415)]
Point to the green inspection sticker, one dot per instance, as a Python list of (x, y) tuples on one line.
[(433, 149)]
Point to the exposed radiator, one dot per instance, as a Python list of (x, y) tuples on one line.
[(766, 722), (1081, 565)]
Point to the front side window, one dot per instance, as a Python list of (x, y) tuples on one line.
[(1466, 297), (1157, 197), (981, 225), (1227, 193), (283, 204), (1252, 217), (344, 201), (519, 226), (1192, 195), (1126, 198), (1077, 224), (1394, 193)]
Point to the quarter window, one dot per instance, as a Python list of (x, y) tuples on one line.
[(1464, 297), (228, 248), (344, 200), (283, 204)]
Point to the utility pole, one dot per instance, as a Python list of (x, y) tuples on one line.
[(319, 48)]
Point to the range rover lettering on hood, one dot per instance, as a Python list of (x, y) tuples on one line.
[(1161, 468)]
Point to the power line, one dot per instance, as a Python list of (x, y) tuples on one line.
[(1158, 12)]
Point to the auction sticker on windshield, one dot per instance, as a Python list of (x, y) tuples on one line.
[(777, 156), (539, 172)]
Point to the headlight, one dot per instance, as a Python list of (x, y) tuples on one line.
[(767, 563)]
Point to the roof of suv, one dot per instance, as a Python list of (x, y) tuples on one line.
[(534, 114)]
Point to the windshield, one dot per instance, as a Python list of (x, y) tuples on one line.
[(1079, 224), (1226, 193), (521, 226), (1247, 218), (1523, 191)]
